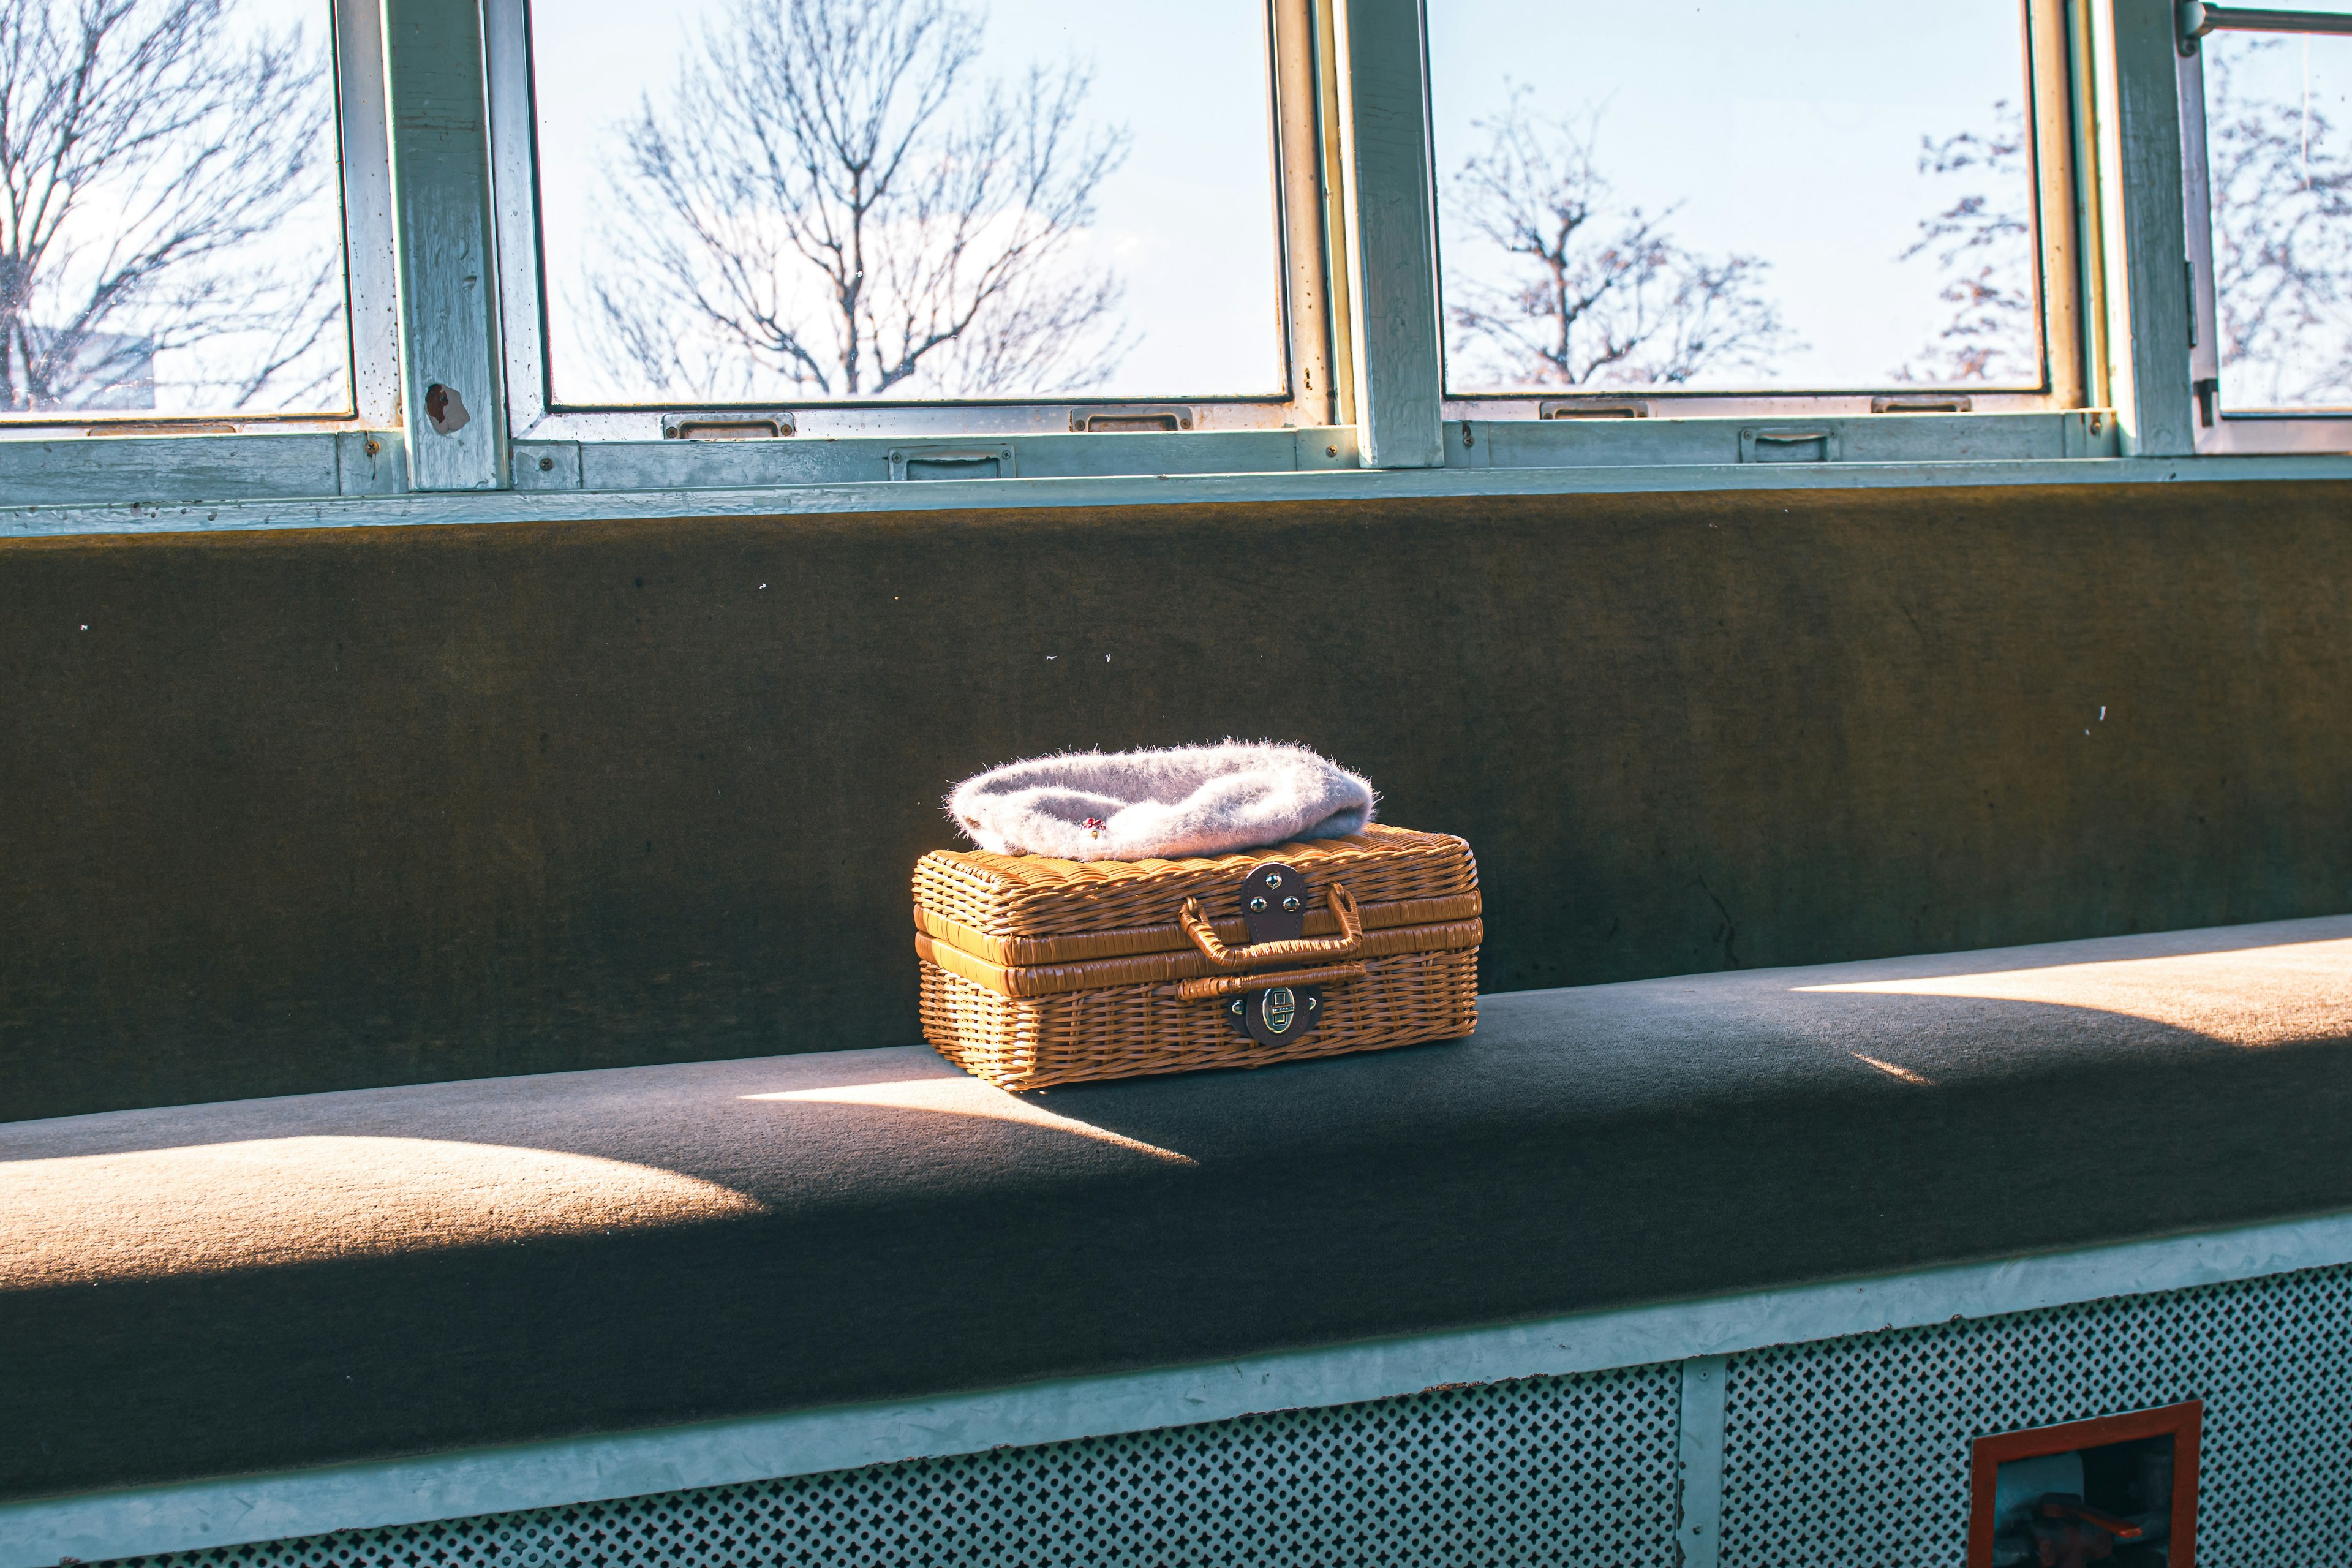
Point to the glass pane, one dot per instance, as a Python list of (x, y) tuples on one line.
[(172, 239), (2278, 151), (787, 201), (1830, 196)]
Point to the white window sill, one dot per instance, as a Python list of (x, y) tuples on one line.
[(22, 521)]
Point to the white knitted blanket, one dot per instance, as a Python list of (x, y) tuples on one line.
[(1141, 806)]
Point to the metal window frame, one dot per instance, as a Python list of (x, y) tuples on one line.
[(613, 447), (2056, 66), (370, 316), (1379, 49), (432, 114), (2219, 430), (434, 85), (372, 307)]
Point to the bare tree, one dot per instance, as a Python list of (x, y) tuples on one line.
[(1983, 243), (1604, 295), (2281, 192), (829, 199), (2281, 196), (145, 159)]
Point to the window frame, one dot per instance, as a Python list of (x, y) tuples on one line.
[(423, 118), (372, 304), (2220, 432), (557, 431)]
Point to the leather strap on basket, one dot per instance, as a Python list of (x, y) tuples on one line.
[(1235, 985), (1345, 945)]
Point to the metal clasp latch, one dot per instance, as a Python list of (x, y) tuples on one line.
[(1278, 1015), (1274, 900), (1273, 903)]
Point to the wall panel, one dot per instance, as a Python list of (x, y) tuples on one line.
[(314, 810)]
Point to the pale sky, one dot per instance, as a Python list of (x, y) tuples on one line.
[(312, 234), (2312, 78), (1188, 221), (1791, 132)]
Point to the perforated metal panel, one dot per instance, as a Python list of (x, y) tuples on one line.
[(1568, 1470), (1857, 1450), (1840, 1451)]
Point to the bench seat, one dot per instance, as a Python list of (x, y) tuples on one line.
[(263, 1285)]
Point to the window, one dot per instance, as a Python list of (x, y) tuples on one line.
[(888, 217), (1748, 203), (173, 257), (2267, 112), (758, 243)]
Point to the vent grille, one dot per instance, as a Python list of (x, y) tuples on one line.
[(1853, 1450), (1857, 1450), (1554, 1470)]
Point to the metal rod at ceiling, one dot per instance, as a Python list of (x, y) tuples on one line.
[(2198, 20)]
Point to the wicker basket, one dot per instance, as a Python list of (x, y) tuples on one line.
[(1038, 971)]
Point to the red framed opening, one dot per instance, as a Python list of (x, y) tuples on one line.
[(2133, 1492)]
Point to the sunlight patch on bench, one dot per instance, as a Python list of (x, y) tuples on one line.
[(2284, 995), (961, 1096), (211, 1207)]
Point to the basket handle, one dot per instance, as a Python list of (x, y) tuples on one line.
[(1343, 909)]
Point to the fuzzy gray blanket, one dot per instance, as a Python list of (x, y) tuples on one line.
[(1141, 806)]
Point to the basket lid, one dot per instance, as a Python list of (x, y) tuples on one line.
[(1030, 909)]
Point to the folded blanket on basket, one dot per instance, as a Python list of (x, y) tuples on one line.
[(1155, 805)]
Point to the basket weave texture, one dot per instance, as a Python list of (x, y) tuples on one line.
[(1038, 971)]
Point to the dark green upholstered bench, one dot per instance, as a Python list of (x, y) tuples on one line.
[(261, 1285)]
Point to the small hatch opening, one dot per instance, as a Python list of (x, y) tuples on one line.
[(2120, 1490)]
